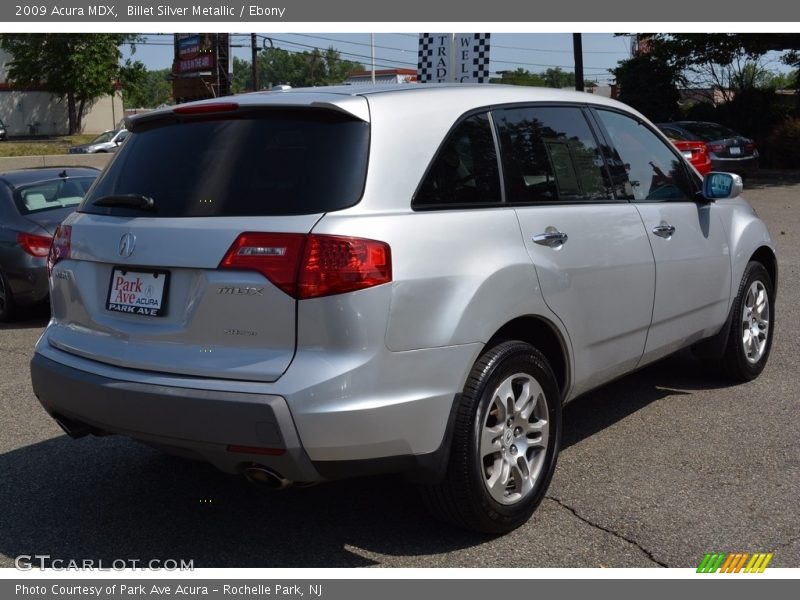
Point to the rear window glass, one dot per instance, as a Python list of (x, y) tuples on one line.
[(709, 131), (54, 193), (255, 164)]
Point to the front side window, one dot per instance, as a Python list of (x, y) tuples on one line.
[(465, 170), (550, 154), (655, 172)]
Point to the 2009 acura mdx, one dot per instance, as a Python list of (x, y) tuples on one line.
[(319, 283)]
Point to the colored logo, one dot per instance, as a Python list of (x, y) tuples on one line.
[(734, 562)]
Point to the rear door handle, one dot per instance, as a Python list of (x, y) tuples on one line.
[(551, 237), (664, 230)]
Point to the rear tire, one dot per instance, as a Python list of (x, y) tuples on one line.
[(506, 438), (7, 306), (753, 315)]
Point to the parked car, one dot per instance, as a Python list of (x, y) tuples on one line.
[(3, 132), (32, 204), (694, 151), (311, 284), (107, 141), (726, 149)]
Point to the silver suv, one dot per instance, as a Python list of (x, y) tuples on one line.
[(311, 284)]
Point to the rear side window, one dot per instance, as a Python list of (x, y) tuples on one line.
[(550, 154), (465, 170), (252, 164)]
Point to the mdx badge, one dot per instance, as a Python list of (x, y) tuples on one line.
[(241, 291)]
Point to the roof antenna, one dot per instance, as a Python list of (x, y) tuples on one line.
[(63, 174)]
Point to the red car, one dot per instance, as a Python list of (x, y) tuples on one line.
[(727, 150), (696, 152)]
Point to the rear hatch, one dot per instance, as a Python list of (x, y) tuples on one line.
[(142, 284), (733, 147), (722, 141)]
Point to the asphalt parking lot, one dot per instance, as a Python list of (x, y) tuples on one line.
[(656, 469)]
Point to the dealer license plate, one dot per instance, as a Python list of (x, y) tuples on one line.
[(138, 292)]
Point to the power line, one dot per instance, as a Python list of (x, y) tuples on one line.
[(399, 62), (382, 60), (319, 37)]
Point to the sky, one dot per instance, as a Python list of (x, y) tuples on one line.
[(534, 52)]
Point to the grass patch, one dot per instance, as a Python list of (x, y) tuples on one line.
[(54, 145)]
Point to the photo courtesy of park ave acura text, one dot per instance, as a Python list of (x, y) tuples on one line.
[(398, 299)]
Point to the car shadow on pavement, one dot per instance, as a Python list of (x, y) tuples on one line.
[(110, 498), (28, 318), (677, 375)]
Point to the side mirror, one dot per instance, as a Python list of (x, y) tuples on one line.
[(718, 186)]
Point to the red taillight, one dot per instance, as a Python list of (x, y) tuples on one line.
[(275, 255), (35, 245), (750, 147), (310, 266), (60, 248), (201, 109)]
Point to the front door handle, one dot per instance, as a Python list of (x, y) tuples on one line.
[(551, 237), (664, 230)]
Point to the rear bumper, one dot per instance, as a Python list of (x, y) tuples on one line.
[(747, 165), (28, 281), (191, 422)]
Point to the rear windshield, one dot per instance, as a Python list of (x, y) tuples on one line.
[(53, 193), (709, 131), (256, 164)]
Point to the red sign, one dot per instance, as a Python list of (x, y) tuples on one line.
[(201, 62)]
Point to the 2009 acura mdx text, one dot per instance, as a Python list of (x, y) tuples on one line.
[(311, 284)]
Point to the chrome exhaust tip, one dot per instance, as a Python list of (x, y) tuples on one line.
[(265, 477)]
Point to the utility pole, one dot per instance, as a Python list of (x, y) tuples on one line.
[(254, 64), (577, 49), (372, 46)]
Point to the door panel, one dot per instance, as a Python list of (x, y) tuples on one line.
[(599, 283), (590, 251), (689, 243), (693, 274)]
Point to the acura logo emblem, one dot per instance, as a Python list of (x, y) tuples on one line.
[(126, 245)]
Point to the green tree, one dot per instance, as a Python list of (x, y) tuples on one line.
[(76, 67), (558, 78), (648, 84), (300, 69), (242, 80), (683, 50), (146, 89), (554, 78), (519, 77), (780, 81)]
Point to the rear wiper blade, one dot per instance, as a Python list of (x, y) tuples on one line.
[(127, 200)]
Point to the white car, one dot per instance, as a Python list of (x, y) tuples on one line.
[(317, 283), (108, 141)]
